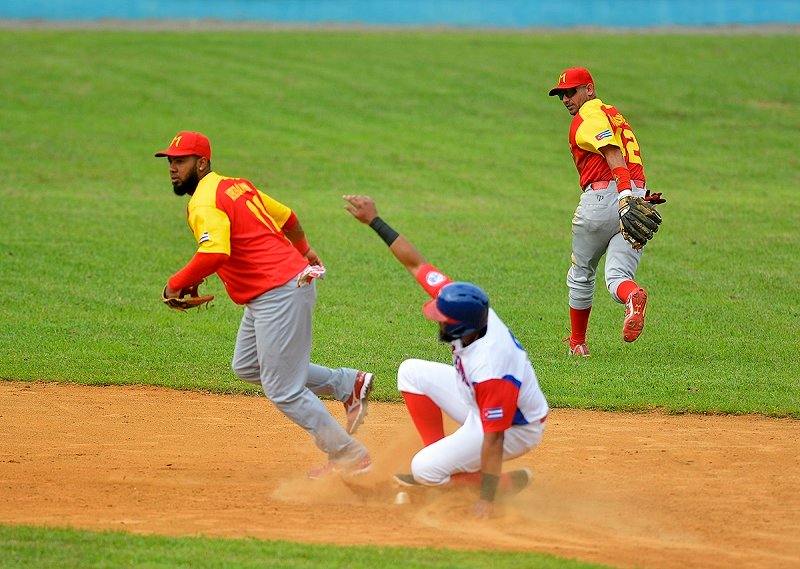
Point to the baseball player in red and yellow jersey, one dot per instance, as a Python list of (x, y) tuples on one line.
[(610, 167), (259, 250), (491, 389)]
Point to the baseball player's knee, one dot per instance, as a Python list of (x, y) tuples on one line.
[(282, 398), (425, 471), (407, 375), (255, 380), (246, 373), (580, 279)]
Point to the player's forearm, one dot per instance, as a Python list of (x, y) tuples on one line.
[(400, 247), (407, 254), (491, 464), (492, 453), (199, 267), (619, 168), (295, 234)]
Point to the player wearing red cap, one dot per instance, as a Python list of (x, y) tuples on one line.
[(610, 167), (259, 250)]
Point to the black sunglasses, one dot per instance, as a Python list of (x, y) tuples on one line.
[(569, 92)]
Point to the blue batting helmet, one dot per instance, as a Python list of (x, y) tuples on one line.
[(464, 308)]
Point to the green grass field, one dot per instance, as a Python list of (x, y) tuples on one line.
[(22, 547), (456, 138)]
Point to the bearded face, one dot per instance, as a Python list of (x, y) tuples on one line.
[(184, 174), (186, 186)]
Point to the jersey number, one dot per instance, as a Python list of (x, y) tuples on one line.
[(254, 204), (630, 146)]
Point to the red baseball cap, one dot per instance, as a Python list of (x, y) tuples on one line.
[(188, 143), (572, 77)]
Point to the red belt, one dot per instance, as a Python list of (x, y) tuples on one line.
[(603, 184)]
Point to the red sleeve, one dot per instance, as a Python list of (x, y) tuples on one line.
[(289, 223), (431, 279), (497, 403), (201, 266)]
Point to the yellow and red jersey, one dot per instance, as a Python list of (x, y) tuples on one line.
[(230, 216), (594, 126)]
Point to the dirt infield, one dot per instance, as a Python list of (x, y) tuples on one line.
[(645, 490)]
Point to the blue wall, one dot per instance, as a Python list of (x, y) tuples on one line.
[(501, 13)]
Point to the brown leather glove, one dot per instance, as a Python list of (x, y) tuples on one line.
[(638, 220), (187, 298)]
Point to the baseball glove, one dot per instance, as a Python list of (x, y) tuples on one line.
[(638, 220), (187, 298)]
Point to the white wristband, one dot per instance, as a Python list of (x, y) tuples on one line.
[(625, 194)]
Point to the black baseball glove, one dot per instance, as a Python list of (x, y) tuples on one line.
[(638, 219)]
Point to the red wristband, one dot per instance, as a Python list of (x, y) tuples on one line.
[(622, 177)]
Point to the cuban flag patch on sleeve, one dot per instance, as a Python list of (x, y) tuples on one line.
[(204, 237), (492, 413), (605, 134)]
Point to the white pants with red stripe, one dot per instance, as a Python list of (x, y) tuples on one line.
[(460, 451)]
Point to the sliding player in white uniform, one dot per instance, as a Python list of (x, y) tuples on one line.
[(490, 390)]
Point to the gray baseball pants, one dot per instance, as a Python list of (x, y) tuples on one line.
[(595, 232), (273, 349)]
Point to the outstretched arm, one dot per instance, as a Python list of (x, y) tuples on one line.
[(363, 209)]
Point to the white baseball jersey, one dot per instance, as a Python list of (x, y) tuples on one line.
[(496, 378), (516, 399)]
